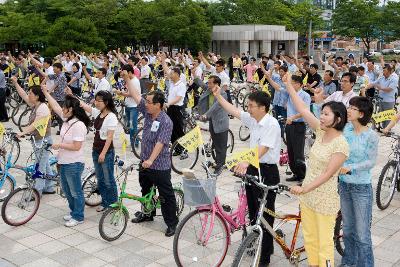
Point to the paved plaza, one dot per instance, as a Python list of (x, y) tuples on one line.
[(45, 241)]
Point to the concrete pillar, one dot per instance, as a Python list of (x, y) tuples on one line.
[(244, 46), (253, 48), (274, 47), (266, 47), (292, 47)]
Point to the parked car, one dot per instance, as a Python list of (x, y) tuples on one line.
[(397, 50), (373, 53), (387, 51), (333, 51)]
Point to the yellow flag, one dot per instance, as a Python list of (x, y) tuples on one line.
[(85, 87), (152, 76), (305, 79), (255, 77), (187, 74), (2, 130), (19, 73), (129, 49), (112, 80), (124, 142), (249, 155), (191, 100), (386, 115), (41, 125), (161, 85), (192, 139), (266, 89)]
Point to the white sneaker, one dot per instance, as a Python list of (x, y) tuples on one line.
[(72, 223), (67, 217)]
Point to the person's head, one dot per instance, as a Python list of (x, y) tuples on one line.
[(75, 67), (220, 65), (154, 102), (129, 70), (387, 70), (101, 73), (258, 104), (57, 67), (36, 95), (252, 61), (213, 81), (339, 61), (47, 62), (306, 65), (77, 58), (72, 108), (328, 76), (347, 82), (196, 62), (277, 64), (144, 61), (333, 115), (370, 65), (360, 110), (313, 68), (361, 70), (353, 70), (175, 74), (104, 100), (297, 82), (133, 60), (393, 62), (283, 70)]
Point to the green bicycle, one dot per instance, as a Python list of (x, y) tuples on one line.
[(114, 220)]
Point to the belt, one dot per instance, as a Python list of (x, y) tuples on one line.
[(298, 122)]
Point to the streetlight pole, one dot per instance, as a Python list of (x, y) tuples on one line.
[(310, 40)]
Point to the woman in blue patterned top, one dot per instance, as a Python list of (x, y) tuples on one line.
[(355, 187)]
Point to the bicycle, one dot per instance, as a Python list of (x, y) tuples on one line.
[(249, 251), (22, 204), (114, 220), (389, 178), (376, 102), (209, 226)]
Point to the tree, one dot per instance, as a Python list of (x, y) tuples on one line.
[(391, 17), (71, 33), (358, 18)]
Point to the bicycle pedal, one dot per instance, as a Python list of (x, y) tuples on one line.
[(226, 208)]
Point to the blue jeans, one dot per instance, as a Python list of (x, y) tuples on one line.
[(356, 206), (132, 121), (43, 185), (70, 176), (105, 177)]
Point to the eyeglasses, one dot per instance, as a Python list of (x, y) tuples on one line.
[(96, 100)]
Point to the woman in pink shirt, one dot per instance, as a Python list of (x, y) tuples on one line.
[(70, 156), (250, 70)]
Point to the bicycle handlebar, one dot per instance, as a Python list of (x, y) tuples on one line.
[(279, 188)]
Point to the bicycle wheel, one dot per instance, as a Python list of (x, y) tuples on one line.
[(180, 202), (6, 144), (245, 101), (91, 191), (386, 185), (137, 140), (14, 113), (247, 251), (20, 206), (240, 95), (113, 223), (7, 186), (193, 230), (182, 159), (23, 120), (244, 133), (338, 235), (230, 144)]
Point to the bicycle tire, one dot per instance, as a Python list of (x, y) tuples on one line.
[(180, 201), (338, 235), (240, 95), (102, 232), (14, 117), (8, 183), (6, 205), (252, 240), (188, 164), (243, 135), (89, 188), (137, 139), (193, 255), (245, 102), (383, 205), (16, 149), (24, 115), (230, 145)]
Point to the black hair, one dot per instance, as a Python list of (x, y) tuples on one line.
[(146, 59), (297, 79), (76, 65), (58, 65), (177, 70), (48, 60), (361, 68), (107, 98), (37, 91), (134, 59), (340, 114), (104, 71), (216, 79), (393, 60), (128, 68), (353, 78), (261, 98), (364, 105), (329, 72), (388, 67), (278, 62), (77, 111), (220, 62), (339, 58), (284, 68), (353, 69), (315, 66), (158, 97)]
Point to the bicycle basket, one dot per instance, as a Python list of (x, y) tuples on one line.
[(199, 192)]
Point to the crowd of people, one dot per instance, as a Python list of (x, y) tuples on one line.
[(337, 106)]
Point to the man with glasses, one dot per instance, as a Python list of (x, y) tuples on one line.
[(155, 156), (100, 82)]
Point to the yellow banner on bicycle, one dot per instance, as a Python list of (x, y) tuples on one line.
[(191, 140), (190, 103), (41, 125), (249, 155), (386, 115), (2, 130), (305, 80), (124, 142), (255, 77)]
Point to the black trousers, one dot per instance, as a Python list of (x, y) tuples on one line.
[(3, 109), (270, 176), (220, 143), (295, 138), (175, 113), (162, 180)]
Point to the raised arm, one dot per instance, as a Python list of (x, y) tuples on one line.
[(267, 75), (35, 62), (87, 75), (52, 102), (231, 109), (20, 91), (204, 60), (301, 107)]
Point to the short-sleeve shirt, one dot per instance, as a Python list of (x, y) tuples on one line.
[(101, 85), (177, 89), (390, 82), (72, 130), (60, 81), (145, 72), (161, 133), (329, 88), (108, 123), (267, 133), (129, 101), (222, 75), (39, 112), (291, 109), (281, 96), (325, 198)]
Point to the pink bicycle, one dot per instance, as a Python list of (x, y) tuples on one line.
[(204, 235)]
